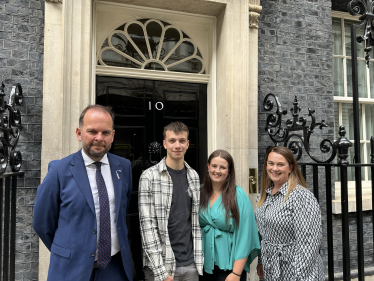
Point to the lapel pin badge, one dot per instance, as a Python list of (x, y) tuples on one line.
[(118, 171)]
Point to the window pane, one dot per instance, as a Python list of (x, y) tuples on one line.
[(371, 71), (361, 68), (336, 120), (337, 37), (360, 47), (337, 66), (351, 170), (347, 115), (369, 118)]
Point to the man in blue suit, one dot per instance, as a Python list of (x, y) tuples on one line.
[(80, 208)]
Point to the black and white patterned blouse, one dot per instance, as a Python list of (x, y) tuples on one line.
[(291, 235)]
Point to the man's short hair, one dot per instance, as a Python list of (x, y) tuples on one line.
[(106, 109), (176, 127)]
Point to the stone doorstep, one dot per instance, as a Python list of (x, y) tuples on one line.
[(366, 204)]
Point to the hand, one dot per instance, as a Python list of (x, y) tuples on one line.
[(232, 277), (260, 271), (169, 278)]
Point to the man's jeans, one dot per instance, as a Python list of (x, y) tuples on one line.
[(182, 273)]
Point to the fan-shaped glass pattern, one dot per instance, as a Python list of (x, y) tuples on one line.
[(151, 44)]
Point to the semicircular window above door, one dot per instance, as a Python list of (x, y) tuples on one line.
[(151, 44)]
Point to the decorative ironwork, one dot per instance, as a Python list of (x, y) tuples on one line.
[(365, 8), (342, 144), (10, 128), (286, 135)]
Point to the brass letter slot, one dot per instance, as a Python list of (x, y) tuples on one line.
[(253, 180)]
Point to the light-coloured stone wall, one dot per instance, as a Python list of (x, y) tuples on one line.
[(66, 86)]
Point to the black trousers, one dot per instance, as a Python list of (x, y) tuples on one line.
[(220, 275)]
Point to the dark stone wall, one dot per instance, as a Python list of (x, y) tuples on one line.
[(21, 61), (295, 58)]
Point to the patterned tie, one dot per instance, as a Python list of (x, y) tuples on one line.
[(105, 245)]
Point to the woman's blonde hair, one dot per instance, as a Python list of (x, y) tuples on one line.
[(294, 178)]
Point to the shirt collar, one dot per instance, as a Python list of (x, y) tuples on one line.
[(282, 190), (88, 161)]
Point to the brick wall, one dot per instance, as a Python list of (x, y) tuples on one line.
[(21, 61), (295, 58)]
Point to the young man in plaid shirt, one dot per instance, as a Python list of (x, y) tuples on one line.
[(169, 198)]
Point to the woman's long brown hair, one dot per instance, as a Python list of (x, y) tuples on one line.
[(295, 177), (228, 188)]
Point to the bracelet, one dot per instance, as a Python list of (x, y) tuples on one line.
[(235, 273)]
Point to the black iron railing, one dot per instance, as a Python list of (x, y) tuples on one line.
[(295, 133), (10, 130), (8, 196), (313, 168)]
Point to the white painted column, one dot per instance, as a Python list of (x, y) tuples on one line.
[(237, 74), (237, 89), (66, 88)]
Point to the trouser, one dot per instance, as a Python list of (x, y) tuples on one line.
[(182, 273), (113, 272), (220, 275)]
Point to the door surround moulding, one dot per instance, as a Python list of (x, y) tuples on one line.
[(152, 74)]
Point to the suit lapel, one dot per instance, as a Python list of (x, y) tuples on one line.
[(79, 173), (117, 175)]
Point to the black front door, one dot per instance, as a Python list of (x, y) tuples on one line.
[(142, 108)]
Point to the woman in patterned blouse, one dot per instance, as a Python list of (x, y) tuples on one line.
[(227, 221), (289, 222)]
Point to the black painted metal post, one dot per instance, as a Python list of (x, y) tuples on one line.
[(303, 171), (12, 261), (6, 229), (345, 224), (330, 240), (358, 179), (315, 182), (343, 144)]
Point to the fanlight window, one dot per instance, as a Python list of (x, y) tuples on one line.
[(151, 44)]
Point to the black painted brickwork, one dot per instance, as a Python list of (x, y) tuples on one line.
[(295, 58), (21, 61)]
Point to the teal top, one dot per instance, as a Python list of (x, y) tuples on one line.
[(224, 244)]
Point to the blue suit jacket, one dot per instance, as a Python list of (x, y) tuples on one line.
[(65, 219)]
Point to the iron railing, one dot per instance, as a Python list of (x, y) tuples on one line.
[(10, 130), (346, 247), (8, 196), (296, 134)]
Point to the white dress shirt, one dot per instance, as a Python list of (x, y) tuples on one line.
[(105, 171)]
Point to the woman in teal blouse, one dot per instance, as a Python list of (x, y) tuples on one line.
[(228, 227)]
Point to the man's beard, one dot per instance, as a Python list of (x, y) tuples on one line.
[(95, 154)]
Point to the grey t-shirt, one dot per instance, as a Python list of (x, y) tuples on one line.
[(179, 224)]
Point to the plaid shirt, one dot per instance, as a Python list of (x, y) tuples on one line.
[(155, 195)]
